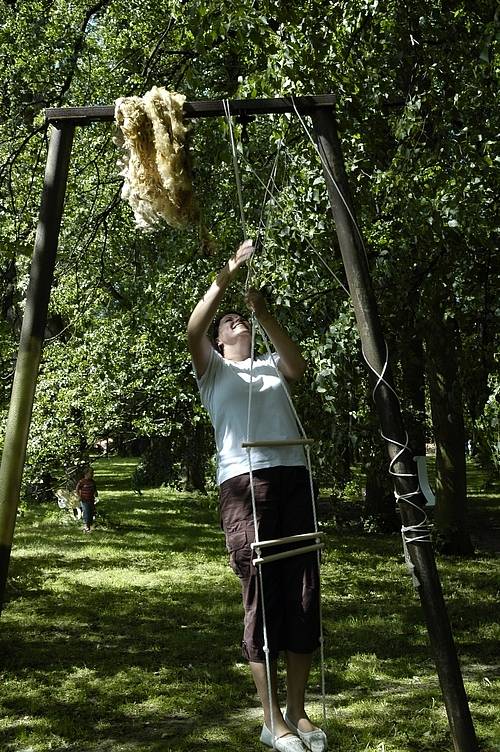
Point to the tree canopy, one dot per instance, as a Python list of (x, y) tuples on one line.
[(417, 91)]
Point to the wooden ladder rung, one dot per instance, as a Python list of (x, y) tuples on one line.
[(288, 539), (277, 442), (287, 554)]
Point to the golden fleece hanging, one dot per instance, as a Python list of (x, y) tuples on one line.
[(155, 162)]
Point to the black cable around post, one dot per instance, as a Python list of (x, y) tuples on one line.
[(31, 340), (387, 404)]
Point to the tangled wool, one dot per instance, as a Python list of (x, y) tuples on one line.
[(155, 163)]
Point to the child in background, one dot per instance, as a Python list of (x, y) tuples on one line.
[(87, 491)]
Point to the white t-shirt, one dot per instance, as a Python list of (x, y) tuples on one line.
[(224, 392)]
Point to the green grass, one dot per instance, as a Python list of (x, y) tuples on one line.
[(128, 639)]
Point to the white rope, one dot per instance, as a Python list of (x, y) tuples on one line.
[(380, 376), (326, 167), (254, 326), (256, 536), (249, 454), (419, 532), (422, 528), (225, 104), (263, 225), (304, 237), (318, 563)]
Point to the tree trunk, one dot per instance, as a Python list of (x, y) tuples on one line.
[(195, 460), (442, 342), (413, 391), (379, 507)]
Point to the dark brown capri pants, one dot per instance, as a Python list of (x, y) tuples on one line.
[(291, 585)]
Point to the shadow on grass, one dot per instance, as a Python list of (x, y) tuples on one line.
[(127, 639)]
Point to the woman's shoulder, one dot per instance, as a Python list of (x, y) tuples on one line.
[(214, 367)]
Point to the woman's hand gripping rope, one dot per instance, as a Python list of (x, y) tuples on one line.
[(256, 303), (292, 364)]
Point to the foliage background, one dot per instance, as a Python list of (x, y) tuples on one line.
[(417, 90)]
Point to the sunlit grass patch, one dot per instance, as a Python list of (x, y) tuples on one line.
[(127, 640)]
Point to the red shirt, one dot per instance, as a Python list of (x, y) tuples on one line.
[(86, 489)]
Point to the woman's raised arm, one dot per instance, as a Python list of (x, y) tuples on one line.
[(205, 310), (292, 364)]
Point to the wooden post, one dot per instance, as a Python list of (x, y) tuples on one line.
[(374, 348), (31, 340)]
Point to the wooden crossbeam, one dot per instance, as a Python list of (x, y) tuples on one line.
[(200, 109)]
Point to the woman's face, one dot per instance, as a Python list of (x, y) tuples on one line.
[(232, 328)]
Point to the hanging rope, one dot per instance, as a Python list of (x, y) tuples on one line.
[(419, 532), (311, 489), (321, 152), (304, 237), (263, 226), (225, 104), (254, 327)]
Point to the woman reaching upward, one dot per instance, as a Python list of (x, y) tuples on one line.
[(223, 369)]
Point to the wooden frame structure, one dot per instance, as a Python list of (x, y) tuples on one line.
[(63, 122)]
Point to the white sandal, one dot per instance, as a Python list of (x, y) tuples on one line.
[(287, 743), (315, 740)]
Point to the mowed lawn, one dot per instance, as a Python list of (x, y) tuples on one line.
[(127, 639)]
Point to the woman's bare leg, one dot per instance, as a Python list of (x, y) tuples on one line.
[(298, 666), (260, 679)]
